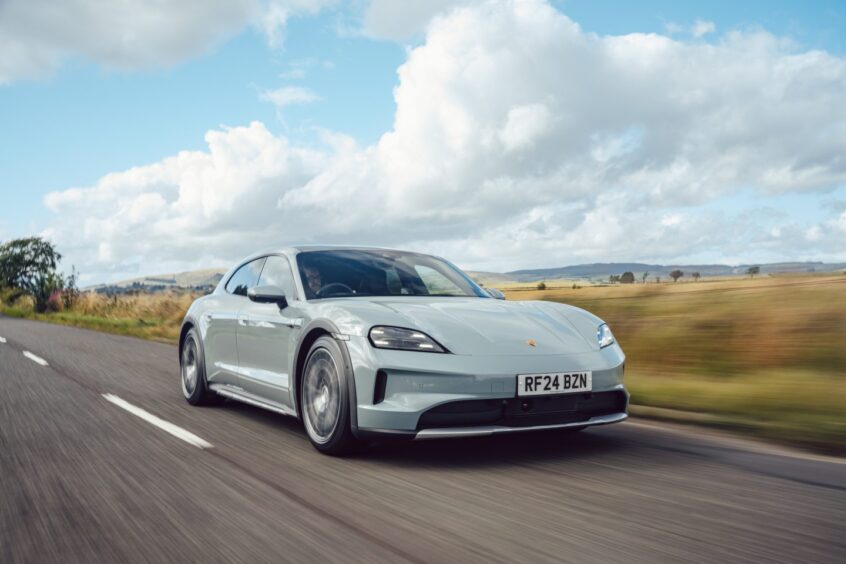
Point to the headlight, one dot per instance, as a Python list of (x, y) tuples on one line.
[(604, 336), (403, 340)]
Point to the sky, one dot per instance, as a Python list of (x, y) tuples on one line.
[(152, 137)]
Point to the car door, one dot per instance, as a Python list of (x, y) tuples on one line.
[(221, 321), (266, 337)]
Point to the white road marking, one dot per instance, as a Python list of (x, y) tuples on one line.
[(177, 432), (2, 339), (34, 358)]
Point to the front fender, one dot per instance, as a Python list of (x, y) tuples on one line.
[(311, 333)]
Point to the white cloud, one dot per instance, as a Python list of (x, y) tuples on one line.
[(401, 21), (37, 35), (288, 95), (185, 211), (673, 28), (518, 140), (524, 126), (701, 28), (275, 14), (298, 69)]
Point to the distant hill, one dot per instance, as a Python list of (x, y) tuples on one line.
[(207, 279), (490, 278), (201, 279), (604, 270)]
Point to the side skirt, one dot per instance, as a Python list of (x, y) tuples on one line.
[(238, 394)]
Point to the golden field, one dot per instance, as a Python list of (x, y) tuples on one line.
[(766, 356)]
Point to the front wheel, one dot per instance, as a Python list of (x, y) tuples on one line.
[(324, 399)]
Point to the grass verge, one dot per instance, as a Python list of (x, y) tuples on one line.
[(152, 329)]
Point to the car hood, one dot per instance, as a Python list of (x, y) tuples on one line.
[(475, 326)]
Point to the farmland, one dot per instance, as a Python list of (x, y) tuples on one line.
[(767, 356)]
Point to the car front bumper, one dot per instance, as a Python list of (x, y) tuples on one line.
[(428, 395)]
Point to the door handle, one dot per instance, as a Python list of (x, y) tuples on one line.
[(292, 322)]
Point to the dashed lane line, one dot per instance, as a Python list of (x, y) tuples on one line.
[(35, 358), (166, 426)]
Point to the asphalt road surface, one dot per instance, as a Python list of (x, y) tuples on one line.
[(87, 477)]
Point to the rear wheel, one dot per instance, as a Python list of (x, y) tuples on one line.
[(192, 367), (324, 399)]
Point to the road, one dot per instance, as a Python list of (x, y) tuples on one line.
[(82, 479)]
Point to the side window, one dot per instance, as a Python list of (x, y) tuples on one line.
[(277, 272), (245, 278)]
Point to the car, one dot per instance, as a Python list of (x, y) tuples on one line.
[(366, 343)]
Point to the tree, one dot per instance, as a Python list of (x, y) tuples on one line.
[(644, 276), (696, 276), (541, 285), (753, 270), (627, 278), (29, 265), (676, 274), (657, 279), (614, 278)]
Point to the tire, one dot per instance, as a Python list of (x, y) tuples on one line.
[(192, 372), (325, 399)]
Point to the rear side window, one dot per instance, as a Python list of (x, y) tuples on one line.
[(245, 278), (277, 272)]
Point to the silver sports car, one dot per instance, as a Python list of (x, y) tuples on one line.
[(363, 343)]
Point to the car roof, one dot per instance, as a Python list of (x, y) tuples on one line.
[(296, 249), (307, 248)]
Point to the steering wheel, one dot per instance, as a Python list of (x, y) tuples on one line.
[(334, 289)]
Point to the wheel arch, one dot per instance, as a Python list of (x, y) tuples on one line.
[(313, 331), (187, 325)]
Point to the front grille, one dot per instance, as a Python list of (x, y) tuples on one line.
[(524, 412)]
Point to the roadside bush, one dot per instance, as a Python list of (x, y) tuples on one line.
[(54, 303), (541, 285)]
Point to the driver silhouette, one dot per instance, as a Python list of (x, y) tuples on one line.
[(313, 279)]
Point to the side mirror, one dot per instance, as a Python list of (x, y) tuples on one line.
[(268, 295), (494, 293)]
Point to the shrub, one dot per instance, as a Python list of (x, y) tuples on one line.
[(54, 302), (541, 285)]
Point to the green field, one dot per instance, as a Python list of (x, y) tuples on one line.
[(767, 356)]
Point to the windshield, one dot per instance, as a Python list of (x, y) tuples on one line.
[(351, 273)]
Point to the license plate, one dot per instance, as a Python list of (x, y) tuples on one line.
[(554, 383)]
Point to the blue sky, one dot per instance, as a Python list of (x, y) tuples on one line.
[(87, 121), (71, 125)]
